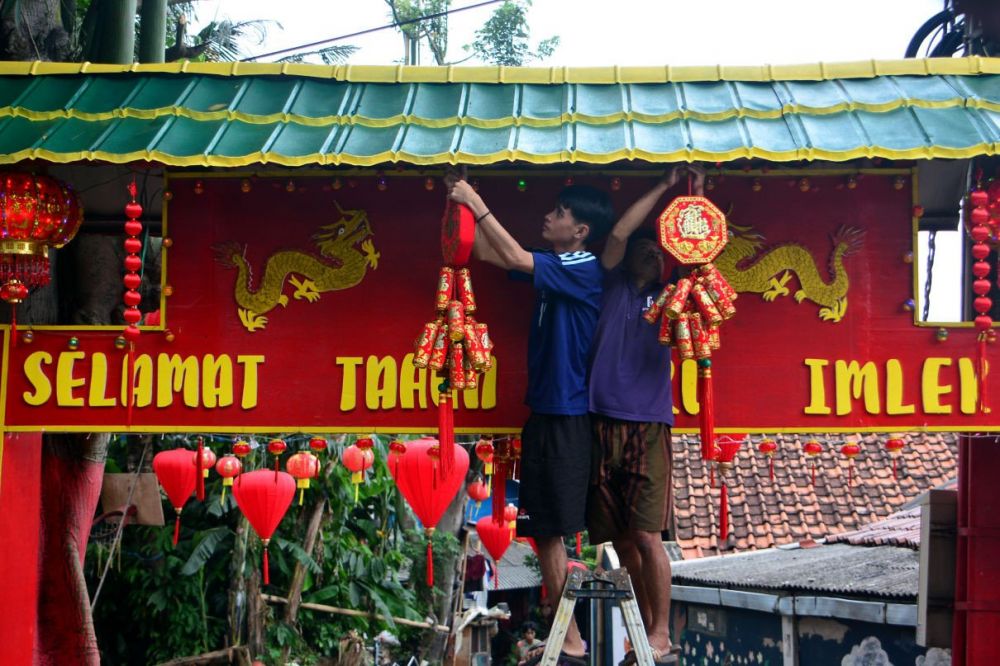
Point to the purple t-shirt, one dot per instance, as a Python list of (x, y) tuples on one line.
[(630, 369)]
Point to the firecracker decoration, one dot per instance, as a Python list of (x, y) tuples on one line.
[(36, 213), (768, 447), (689, 313), (264, 498), (894, 446), (132, 280), (228, 467), (357, 460), (175, 471), (729, 446), (276, 447), (983, 231), (812, 448), (303, 466), (850, 450)]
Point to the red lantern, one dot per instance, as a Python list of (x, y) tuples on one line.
[(478, 492), (396, 449), (509, 514), (484, 451), (850, 450), (812, 448), (768, 447), (276, 447), (895, 445), (357, 460), (175, 472), (729, 446), (241, 448), (415, 478), (132, 298), (263, 497), (317, 445), (208, 459), (227, 467), (203, 459), (497, 539), (365, 443), (303, 466), (984, 231)]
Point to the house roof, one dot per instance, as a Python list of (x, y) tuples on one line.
[(237, 114), (900, 529), (881, 571), (765, 514)]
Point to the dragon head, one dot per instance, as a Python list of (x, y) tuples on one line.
[(743, 242), (350, 229)]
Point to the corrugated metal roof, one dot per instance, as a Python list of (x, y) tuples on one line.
[(879, 571), (239, 114)]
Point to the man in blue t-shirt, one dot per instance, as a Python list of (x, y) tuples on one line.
[(556, 440), (632, 410)]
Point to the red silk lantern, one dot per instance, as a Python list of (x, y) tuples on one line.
[(850, 450), (768, 447), (484, 451), (208, 459), (812, 448), (509, 514), (276, 447), (415, 477), (397, 448), (895, 445), (478, 492), (497, 539), (176, 473), (729, 446), (241, 448), (303, 466), (317, 445), (227, 467), (357, 460), (264, 497)]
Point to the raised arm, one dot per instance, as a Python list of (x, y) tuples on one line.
[(497, 246)]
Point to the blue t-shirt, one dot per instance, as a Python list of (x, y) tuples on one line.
[(562, 330)]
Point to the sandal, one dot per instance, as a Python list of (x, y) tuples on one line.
[(563, 660), (659, 658)]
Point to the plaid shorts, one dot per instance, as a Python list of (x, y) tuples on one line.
[(630, 486)]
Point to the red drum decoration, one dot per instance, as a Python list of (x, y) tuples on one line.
[(263, 497), (497, 539), (429, 490), (176, 473), (227, 467), (303, 466)]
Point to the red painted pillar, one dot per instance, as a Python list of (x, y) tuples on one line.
[(20, 517), (977, 589)]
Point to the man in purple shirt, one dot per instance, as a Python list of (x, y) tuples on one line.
[(630, 496)]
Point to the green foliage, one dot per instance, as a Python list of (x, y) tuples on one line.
[(504, 38)]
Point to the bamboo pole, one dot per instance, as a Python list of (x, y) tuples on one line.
[(356, 613)]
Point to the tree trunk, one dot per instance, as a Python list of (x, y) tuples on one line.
[(237, 606), (153, 31), (299, 575), (445, 580), (33, 31)]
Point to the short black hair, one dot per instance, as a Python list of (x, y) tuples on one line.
[(590, 206), (640, 234)]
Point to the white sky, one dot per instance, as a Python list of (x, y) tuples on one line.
[(626, 32)]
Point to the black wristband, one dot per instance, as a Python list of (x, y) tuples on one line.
[(483, 217)]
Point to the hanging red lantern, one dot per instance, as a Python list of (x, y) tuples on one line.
[(365, 443), (850, 450), (202, 461), (397, 448), (227, 467), (895, 445), (241, 448), (276, 447), (729, 446), (768, 447), (415, 478), (303, 466), (983, 232), (357, 460), (175, 472), (208, 459), (484, 451), (478, 492), (813, 448), (263, 497), (133, 280), (509, 514), (317, 445), (497, 539)]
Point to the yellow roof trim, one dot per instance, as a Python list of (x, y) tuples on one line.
[(820, 71)]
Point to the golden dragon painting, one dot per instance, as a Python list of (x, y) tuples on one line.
[(750, 266), (345, 252)]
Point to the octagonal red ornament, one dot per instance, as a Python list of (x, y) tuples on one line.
[(692, 229)]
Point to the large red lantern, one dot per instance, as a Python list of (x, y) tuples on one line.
[(263, 497), (176, 473), (357, 460), (303, 466), (497, 539), (427, 488), (227, 467)]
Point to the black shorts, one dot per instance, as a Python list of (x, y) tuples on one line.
[(555, 471)]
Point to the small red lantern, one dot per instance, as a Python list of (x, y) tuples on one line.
[(227, 467), (357, 460), (241, 448), (317, 445), (895, 445), (263, 497), (768, 447), (729, 446), (497, 539), (510, 515), (276, 447), (176, 474), (365, 443), (397, 449), (813, 448), (478, 492), (303, 466), (207, 462), (850, 450)]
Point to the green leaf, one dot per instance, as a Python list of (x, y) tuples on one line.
[(206, 548), (300, 555)]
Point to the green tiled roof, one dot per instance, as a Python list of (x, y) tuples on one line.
[(236, 114)]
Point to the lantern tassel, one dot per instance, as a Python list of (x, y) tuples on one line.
[(706, 417), (446, 434), (850, 475), (430, 562), (13, 324), (579, 545), (770, 468), (199, 477), (724, 513), (496, 574), (499, 490), (177, 528), (814, 475), (895, 476), (711, 474), (267, 569)]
